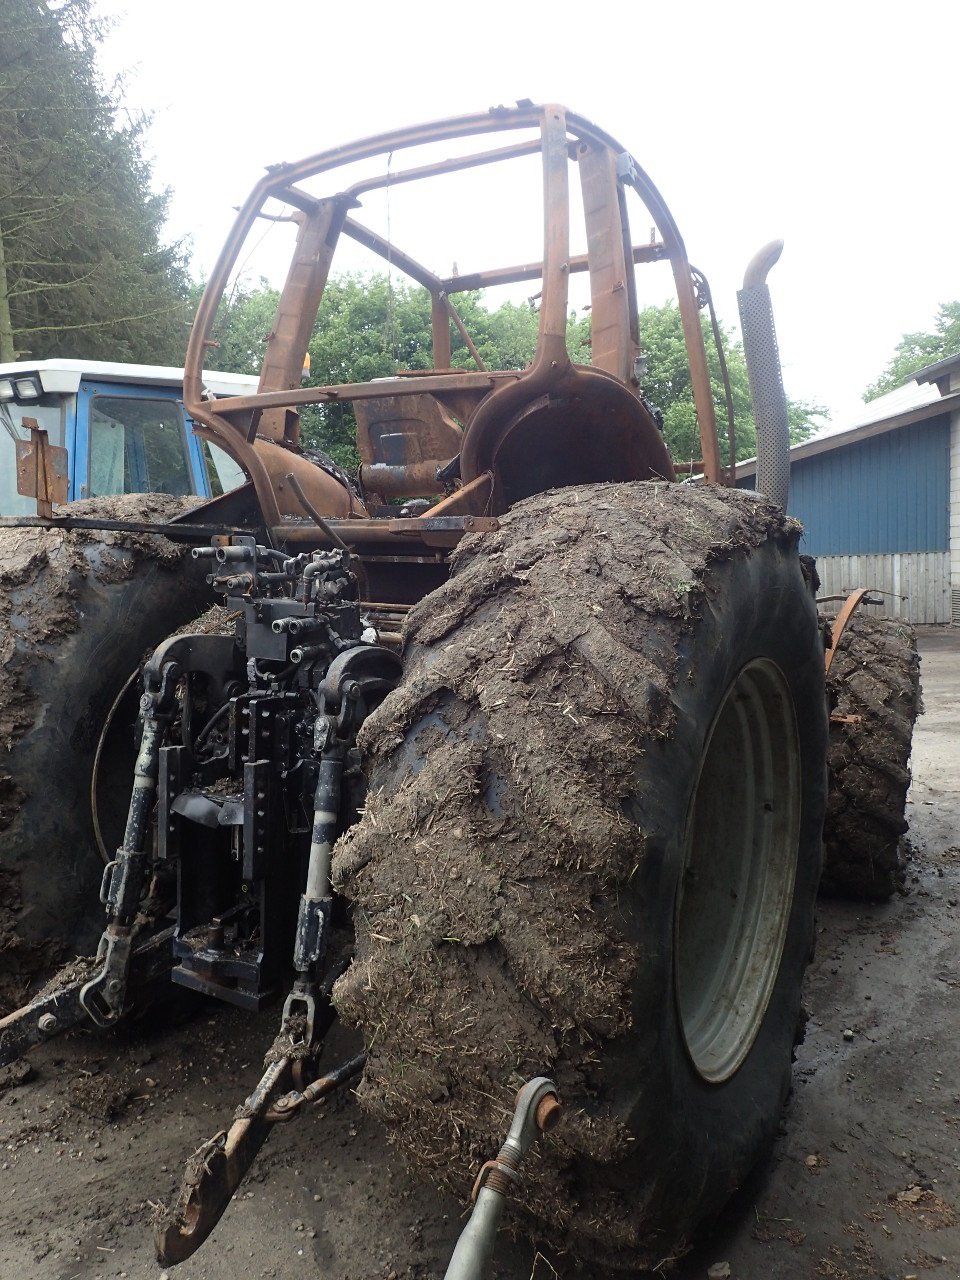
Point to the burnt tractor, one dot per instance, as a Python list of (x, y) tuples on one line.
[(539, 728)]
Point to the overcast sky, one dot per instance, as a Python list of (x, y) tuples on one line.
[(831, 125)]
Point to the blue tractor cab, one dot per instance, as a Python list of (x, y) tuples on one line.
[(109, 429)]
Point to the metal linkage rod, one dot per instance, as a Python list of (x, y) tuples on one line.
[(537, 1110)]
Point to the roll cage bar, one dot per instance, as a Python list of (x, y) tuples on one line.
[(245, 424)]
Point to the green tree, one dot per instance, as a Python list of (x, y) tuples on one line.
[(916, 350), (367, 327), (667, 385), (241, 326), (83, 269)]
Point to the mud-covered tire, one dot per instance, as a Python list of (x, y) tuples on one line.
[(79, 610), (569, 745), (874, 678)]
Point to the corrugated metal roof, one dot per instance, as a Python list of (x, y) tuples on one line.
[(901, 400)]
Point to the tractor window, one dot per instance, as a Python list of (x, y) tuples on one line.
[(48, 411), (222, 472), (137, 446)]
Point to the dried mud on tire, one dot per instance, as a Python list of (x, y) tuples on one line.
[(78, 611), (875, 675), (515, 873)]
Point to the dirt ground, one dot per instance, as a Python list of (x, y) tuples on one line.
[(864, 1182)]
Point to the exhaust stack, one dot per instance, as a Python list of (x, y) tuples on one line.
[(766, 380)]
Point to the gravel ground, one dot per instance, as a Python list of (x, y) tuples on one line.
[(862, 1184)]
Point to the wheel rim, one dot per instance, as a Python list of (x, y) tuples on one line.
[(739, 865)]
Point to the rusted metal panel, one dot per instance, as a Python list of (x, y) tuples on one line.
[(43, 469), (297, 309), (850, 606), (612, 317), (403, 385), (394, 432), (440, 331), (429, 530)]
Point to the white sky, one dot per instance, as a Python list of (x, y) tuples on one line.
[(831, 125)]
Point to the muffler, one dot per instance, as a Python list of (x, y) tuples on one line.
[(766, 379)]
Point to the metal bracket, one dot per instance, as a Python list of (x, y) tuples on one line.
[(62, 1008), (103, 998), (215, 1172), (42, 469), (852, 602), (301, 1003)]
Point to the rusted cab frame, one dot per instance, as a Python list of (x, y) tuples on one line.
[(502, 435)]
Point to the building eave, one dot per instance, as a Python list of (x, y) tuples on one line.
[(940, 372), (810, 448)]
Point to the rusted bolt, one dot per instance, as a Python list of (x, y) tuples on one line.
[(548, 1112), (47, 1023)]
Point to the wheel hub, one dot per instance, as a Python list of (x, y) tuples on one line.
[(740, 856)]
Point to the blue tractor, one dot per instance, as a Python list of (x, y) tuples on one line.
[(102, 429)]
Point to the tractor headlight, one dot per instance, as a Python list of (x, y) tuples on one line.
[(27, 388)]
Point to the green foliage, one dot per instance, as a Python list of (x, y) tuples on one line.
[(916, 350), (667, 385), (369, 327), (83, 269), (805, 417), (366, 328), (241, 327)]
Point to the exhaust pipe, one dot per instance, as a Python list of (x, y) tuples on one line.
[(766, 380)]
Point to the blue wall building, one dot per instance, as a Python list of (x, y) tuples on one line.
[(880, 503)]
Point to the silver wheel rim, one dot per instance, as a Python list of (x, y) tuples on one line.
[(739, 865)]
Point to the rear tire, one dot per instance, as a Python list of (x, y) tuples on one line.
[(79, 610), (591, 850), (875, 675)]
